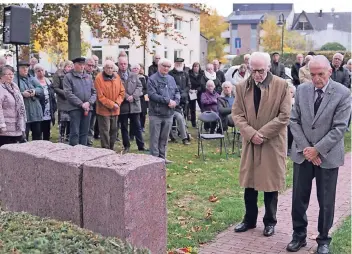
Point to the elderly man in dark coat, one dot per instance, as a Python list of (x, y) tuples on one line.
[(131, 106), (277, 68), (340, 74), (261, 112), (318, 124), (80, 94)]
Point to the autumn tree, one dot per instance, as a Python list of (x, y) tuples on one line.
[(114, 21), (271, 35), (211, 26)]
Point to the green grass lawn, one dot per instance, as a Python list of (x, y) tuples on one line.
[(341, 239), (192, 218)]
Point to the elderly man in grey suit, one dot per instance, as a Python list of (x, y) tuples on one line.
[(131, 106), (318, 124)]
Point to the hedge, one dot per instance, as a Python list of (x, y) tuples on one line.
[(24, 233), (288, 59)]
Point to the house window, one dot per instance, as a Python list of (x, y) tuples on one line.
[(191, 56), (98, 32), (303, 25), (126, 49), (98, 51), (165, 53), (254, 37), (190, 24), (177, 24), (177, 53)]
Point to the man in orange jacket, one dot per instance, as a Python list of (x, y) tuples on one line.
[(110, 95)]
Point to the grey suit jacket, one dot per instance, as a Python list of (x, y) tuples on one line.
[(133, 87), (326, 130)]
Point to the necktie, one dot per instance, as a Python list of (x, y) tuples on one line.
[(125, 76), (318, 101)]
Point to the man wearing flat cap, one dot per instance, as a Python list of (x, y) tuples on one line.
[(277, 68), (80, 93), (31, 91)]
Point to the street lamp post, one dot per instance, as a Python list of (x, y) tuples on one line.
[(281, 22)]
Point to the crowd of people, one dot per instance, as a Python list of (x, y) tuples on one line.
[(97, 103)]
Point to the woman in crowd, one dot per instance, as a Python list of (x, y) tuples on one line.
[(240, 75), (210, 74), (47, 101), (195, 76), (304, 73), (64, 118), (210, 101), (12, 109), (225, 102), (139, 69)]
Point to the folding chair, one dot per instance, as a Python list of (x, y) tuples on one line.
[(236, 139), (208, 117)]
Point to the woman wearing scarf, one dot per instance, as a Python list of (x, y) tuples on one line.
[(195, 76), (47, 101), (12, 109), (64, 118), (210, 74)]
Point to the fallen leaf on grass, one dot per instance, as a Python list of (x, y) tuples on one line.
[(180, 218), (169, 192), (213, 198), (185, 167), (168, 186), (181, 206), (196, 229), (190, 162), (208, 214)]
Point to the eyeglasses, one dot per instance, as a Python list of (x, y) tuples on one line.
[(9, 74), (166, 66), (259, 71), (90, 65)]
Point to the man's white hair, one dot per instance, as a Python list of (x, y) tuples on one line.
[(339, 55), (164, 61), (293, 88), (226, 83), (216, 60), (349, 61), (321, 60), (260, 56), (90, 59), (246, 56), (109, 62), (135, 66), (122, 58)]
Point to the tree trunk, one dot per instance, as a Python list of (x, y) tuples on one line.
[(74, 31)]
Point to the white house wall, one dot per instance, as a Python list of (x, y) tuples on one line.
[(322, 37)]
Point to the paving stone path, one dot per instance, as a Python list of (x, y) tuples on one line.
[(253, 240)]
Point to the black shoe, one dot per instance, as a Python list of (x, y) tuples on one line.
[(173, 140), (323, 249), (269, 230), (96, 137), (243, 227), (143, 149), (126, 150), (296, 245)]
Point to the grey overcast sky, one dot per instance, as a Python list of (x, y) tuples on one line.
[(224, 7)]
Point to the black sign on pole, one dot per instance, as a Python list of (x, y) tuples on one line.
[(17, 28)]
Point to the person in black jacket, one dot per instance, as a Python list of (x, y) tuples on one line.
[(209, 73), (154, 67), (182, 81), (277, 68), (340, 74), (219, 74), (295, 69), (195, 76)]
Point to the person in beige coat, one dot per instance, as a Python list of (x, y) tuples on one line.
[(304, 73), (261, 112)]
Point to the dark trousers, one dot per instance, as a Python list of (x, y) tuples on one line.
[(64, 128), (79, 126), (289, 138), (270, 201), (326, 179), (143, 117), (137, 130), (211, 126), (45, 128), (193, 108), (4, 140), (35, 128)]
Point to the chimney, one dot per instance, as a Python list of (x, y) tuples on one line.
[(238, 12), (320, 14)]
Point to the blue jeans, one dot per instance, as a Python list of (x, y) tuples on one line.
[(79, 126)]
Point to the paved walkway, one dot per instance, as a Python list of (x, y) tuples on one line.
[(253, 240)]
